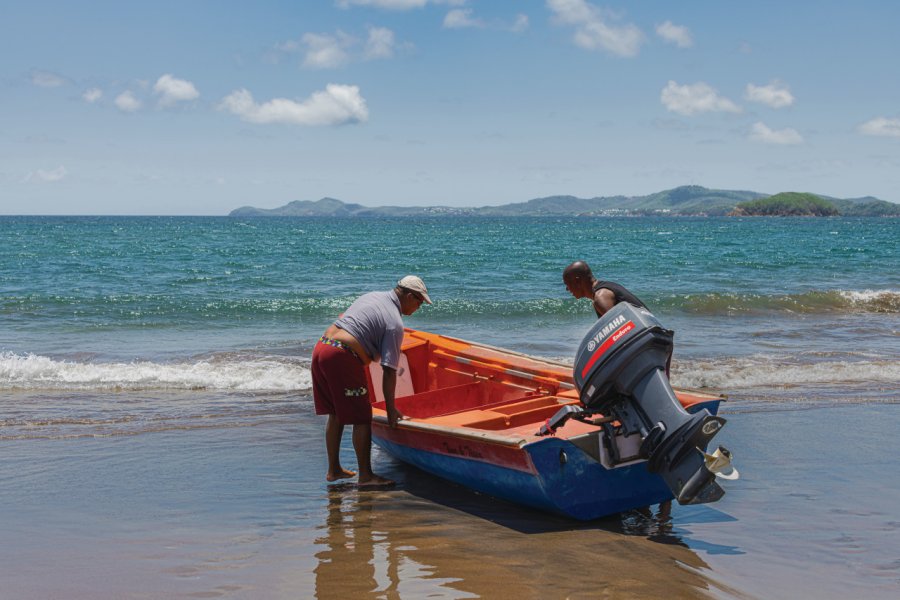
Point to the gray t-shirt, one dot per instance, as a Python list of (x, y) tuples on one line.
[(375, 321)]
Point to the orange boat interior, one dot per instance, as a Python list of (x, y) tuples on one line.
[(449, 382)]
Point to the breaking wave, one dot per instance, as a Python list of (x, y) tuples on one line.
[(162, 311), (233, 372), (737, 373), (226, 372), (865, 301)]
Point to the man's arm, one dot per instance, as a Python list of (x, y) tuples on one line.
[(388, 388), (604, 300)]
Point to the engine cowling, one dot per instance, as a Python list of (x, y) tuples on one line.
[(620, 371)]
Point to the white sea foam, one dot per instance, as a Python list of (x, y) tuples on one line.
[(30, 371), (737, 373), (756, 371), (277, 374), (867, 296)]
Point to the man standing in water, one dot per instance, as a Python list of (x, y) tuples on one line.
[(371, 329), (581, 283)]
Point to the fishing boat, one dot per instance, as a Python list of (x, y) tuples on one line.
[(523, 428)]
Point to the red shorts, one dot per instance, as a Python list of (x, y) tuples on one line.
[(340, 387)]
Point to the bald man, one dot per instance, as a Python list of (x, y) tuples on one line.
[(581, 283)]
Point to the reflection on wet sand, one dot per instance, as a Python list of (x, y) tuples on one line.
[(435, 539), (360, 560)]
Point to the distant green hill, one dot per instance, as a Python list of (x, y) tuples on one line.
[(866, 207), (694, 200), (688, 200), (326, 207), (681, 201), (787, 204)]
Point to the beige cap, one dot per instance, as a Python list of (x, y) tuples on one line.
[(415, 284)]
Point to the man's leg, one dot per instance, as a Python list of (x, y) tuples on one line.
[(323, 396), (333, 433), (362, 443)]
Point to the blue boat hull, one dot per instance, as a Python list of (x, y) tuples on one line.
[(559, 477)]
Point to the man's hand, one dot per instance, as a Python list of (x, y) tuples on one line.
[(388, 387), (394, 416)]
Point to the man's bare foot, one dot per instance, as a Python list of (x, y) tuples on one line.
[(342, 474), (374, 482)]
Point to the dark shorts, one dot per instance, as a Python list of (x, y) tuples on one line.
[(340, 387)]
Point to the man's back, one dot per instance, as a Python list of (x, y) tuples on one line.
[(374, 319), (620, 292)]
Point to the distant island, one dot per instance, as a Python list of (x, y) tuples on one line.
[(792, 204), (689, 200)]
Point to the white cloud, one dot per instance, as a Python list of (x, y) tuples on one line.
[(380, 44), (775, 95), (127, 102), (388, 4), (881, 126), (325, 51), (172, 90), (675, 34), (41, 176), (92, 95), (461, 18), (591, 30), (520, 24), (47, 79), (330, 51), (784, 137), (336, 105), (288, 46), (572, 11), (696, 98), (395, 4)]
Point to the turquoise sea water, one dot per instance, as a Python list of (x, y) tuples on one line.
[(156, 420), (190, 303)]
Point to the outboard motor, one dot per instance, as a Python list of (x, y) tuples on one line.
[(620, 371)]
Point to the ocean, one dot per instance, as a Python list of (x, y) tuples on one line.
[(158, 439)]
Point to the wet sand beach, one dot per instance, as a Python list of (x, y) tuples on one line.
[(241, 510)]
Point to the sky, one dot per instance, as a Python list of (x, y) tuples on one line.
[(199, 107)]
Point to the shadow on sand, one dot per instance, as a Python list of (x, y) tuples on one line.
[(652, 522)]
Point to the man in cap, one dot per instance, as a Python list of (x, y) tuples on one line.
[(581, 283), (371, 329)]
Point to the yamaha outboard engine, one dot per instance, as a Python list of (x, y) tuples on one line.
[(620, 371)]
